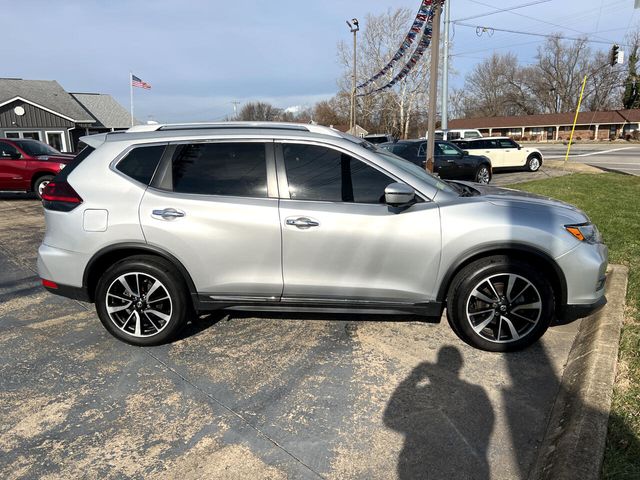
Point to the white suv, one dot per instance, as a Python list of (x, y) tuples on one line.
[(503, 152)]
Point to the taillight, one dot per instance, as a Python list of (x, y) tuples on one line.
[(60, 196)]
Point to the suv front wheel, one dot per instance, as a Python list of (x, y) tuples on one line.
[(142, 301), (500, 304)]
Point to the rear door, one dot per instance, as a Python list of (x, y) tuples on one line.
[(491, 149), (13, 174), (214, 206), (511, 154), (341, 241)]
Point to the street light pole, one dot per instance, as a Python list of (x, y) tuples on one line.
[(354, 26)]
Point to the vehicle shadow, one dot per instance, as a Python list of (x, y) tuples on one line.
[(18, 196), (447, 422)]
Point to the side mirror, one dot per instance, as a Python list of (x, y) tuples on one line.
[(465, 153), (399, 194)]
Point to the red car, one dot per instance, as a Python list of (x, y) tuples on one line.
[(29, 165)]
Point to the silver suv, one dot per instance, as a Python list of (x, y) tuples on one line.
[(161, 222)]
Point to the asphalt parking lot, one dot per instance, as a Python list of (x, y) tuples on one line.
[(255, 397)]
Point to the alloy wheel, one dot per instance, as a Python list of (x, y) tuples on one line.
[(504, 308), (483, 175), (139, 304)]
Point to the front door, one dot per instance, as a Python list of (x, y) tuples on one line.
[(341, 241), (217, 213), (511, 154), (12, 168)]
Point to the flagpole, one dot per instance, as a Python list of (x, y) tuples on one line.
[(131, 90)]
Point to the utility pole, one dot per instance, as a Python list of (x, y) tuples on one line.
[(445, 67), (354, 26), (235, 109), (433, 87)]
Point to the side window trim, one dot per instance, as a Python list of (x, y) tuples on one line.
[(283, 183)]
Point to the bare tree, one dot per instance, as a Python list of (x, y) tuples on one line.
[(495, 87), (259, 111)]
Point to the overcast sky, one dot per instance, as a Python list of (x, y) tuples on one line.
[(200, 55)]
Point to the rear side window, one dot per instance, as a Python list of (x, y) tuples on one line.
[(232, 169), (141, 163)]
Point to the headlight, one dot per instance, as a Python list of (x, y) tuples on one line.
[(62, 165), (586, 232)]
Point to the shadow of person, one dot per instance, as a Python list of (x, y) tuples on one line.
[(447, 422)]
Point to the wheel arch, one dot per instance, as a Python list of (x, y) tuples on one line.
[(523, 252), (38, 175), (114, 253)]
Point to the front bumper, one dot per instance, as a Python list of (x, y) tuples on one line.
[(569, 313)]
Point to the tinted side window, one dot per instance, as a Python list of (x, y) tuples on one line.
[(7, 150), (319, 173), (141, 162), (507, 144), (233, 169)]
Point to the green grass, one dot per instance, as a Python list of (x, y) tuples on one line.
[(612, 201)]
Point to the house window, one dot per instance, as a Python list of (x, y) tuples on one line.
[(21, 134), (56, 140), (515, 132)]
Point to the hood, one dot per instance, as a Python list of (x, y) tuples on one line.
[(516, 198), (60, 158)]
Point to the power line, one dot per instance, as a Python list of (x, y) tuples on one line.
[(542, 21), (561, 37), (500, 10)]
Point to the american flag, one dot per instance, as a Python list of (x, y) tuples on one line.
[(137, 82)]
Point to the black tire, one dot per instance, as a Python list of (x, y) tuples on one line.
[(483, 175), (481, 323), (40, 183), (534, 162), (153, 320)]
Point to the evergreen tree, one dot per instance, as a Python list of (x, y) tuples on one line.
[(631, 98)]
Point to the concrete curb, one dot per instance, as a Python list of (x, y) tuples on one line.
[(574, 443)]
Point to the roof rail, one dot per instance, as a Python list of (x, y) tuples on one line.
[(237, 125)]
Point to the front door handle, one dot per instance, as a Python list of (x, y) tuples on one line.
[(168, 213), (302, 222)]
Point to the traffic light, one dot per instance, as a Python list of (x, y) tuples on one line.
[(615, 52)]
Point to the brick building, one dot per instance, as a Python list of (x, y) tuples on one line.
[(556, 126)]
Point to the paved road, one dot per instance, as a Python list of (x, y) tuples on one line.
[(238, 397), (622, 157)]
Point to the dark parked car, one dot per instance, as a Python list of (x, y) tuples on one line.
[(29, 165), (451, 163)]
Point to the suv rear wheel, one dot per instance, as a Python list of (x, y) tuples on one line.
[(142, 301), (500, 304)]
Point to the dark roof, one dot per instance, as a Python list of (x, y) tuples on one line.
[(105, 109), (45, 93), (552, 119)]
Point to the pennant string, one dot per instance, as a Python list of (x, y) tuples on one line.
[(426, 12)]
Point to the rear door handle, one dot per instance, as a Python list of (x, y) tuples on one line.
[(302, 222), (168, 213)]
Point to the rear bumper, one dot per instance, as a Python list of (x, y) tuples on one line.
[(75, 293)]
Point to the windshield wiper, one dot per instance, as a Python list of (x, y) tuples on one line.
[(464, 190)]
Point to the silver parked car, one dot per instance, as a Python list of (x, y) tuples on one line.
[(162, 221)]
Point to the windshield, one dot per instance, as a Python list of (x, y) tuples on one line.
[(411, 168), (396, 148), (35, 148)]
